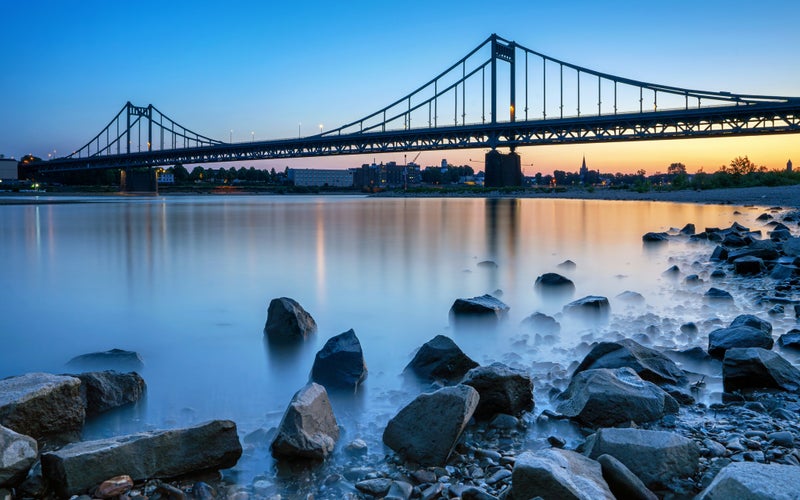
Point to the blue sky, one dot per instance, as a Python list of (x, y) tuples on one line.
[(268, 68)]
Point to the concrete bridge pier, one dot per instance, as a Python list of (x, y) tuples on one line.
[(138, 180), (503, 169)]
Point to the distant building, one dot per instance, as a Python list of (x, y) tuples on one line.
[(8, 169), (789, 166), (584, 172), (317, 177), (386, 176), (165, 178)]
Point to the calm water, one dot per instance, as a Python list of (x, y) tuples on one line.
[(185, 281)]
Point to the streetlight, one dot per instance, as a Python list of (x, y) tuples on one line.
[(298, 130), (231, 137), (320, 129), (252, 137)]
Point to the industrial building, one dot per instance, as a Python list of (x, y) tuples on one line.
[(8, 169), (321, 177)]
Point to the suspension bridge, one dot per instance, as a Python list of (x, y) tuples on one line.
[(500, 95)]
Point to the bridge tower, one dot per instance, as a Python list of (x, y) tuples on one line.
[(503, 169)]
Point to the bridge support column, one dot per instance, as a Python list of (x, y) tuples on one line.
[(503, 169), (138, 180)]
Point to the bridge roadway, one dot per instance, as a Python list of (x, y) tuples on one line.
[(720, 121)]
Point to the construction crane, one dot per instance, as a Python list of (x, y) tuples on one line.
[(405, 158)]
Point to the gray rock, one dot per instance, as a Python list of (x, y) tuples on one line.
[(716, 294), (114, 359), (308, 428), (630, 297), (754, 481), (78, 467), (648, 363), (719, 253), (541, 323), (41, 404), (340, 363), (782, 438), (288, 321), (782, 271), (755, 368), (554, 282), (753, 322), (561, 474), (748, 265), (377, 487), (656, 457), (33, 486), (567, 264), (791, 247), (762, 249), (484, 308), (622, 482), (655, 237), (688, 229), (427, 429), (106, 390), (722, 339), (475, 493), (399, 490), (440, 359), (502, 390), (790, 339), (604, 397), (17, 454), (672, 271), (591, 307)]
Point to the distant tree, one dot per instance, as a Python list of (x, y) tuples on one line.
[(641, 173), (180, 173), (676, 168), (538, 178), (560, 176), (739, 166), (198, 173)]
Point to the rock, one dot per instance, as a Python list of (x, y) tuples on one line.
[(504, 421), (41, 404), (655, 237), (484, 308), (604, 397), (502, 390), (754, 481), (114, 487), (782, 438), (475, 493), (790, 339), (716, 294), (722, 339), (377, 487), (688, 229), (288, 321), (340, 363), (791, 247), (33, 486), (17, 454), (630, 297), (561, 474), (656, 457), (567, 264), (648, 363), (622, 482), (763, 249), (427, 429), (541, 323), (440, 359), (308, 428), (753, 322), (114, 359), (78, 467), (490, 264), (764, 216), (399, 490), (591, 307), (689, 328), (106, 390), (356, 447), (755, 368), (555, 282), (718, 274), (672, 271), (748, 265), (782, 271)]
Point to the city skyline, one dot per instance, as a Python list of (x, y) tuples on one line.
[(257, 72)]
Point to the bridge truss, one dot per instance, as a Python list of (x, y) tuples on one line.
[(472, 104)]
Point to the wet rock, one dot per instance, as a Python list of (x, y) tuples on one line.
[(475, 493), (672, 271), (377, 487), (764, 217), (33, 486), (656, 457), (114, 359), (484, 308), (502, 390), (692, 280), (782, 271), (762, 249), (567, 264), (734, 240), (308, 429), (562, 474), (748, 265), (340, 363), (754, 481), (440, 359), (554, 282), (356, 447), (399, 490), (688, 229), (604, 397), (427, 429), (107, 390), (489, 264), (17, 454), (541, 323), (504, 421), (791, 247), (720, 253), (781, 438), (591, 307), (648, 363), (753, 322), (114, 487), (162, 454), (630, 297), (287, 321), (622, 482), (689, 328), (776, 310), (755, 368), (790, 339), (655, 237), (718, 274), (722, 339), (40, 404)]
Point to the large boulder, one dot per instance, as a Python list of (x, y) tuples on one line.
[(502, 390), (557, 474), (17, 454), (648, 363), (440, 359), (78, 467), (656, 457), (755, 368), (555, 283), (763, 249), (749, 265), (722, 339), (427, 429), (107, 390), (604, 397), (754, 481), (113, 359), (486, 309), (790, 339), (41, 404), (541, 323), (308, 429), (753, 322), (591, 307), (622, 482), (340, 363), (653, 237), (718, 295), (288, 321)]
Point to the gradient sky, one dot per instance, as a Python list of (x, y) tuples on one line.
[(67, 67)]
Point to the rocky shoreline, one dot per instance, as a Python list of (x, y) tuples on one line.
[(629, 418)]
